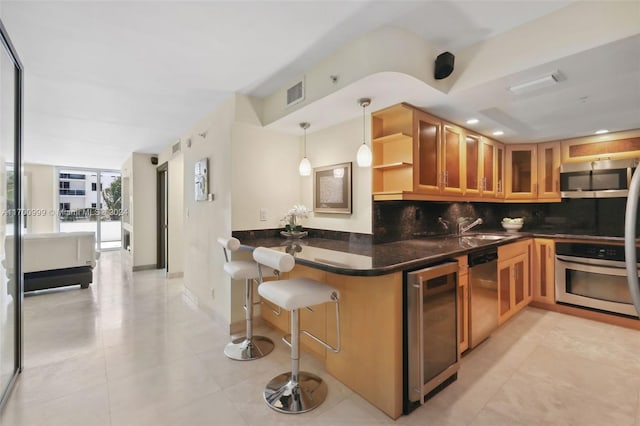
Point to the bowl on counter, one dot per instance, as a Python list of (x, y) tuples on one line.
[(512, 225)]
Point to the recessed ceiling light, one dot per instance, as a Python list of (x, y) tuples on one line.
[(601, 131), (472, 121), (498, 133)]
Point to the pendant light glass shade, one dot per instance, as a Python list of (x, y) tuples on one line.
[(364, 156), (304, 168)]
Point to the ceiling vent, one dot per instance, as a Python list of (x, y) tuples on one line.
[(295, 93), (539, 83), (176, 148)]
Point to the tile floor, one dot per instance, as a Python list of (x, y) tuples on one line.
[(132, 351)]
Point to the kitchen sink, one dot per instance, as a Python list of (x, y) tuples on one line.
[(486, 237)]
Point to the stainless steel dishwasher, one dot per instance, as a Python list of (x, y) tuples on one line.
[(431, 338), (483, 295)]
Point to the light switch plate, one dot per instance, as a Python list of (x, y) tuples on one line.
[(263, 215)]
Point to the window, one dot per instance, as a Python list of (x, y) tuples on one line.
[(93, 186), (65, 206), (94, 205), (64, 185)]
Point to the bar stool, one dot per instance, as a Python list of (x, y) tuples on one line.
[(248, 347), (295, 391)]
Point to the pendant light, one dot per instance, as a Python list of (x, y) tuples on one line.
[(305, 165), (364, 156)]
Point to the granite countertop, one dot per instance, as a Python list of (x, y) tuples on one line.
[(364, 259)]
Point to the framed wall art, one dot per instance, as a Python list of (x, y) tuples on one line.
[(202, 179), (332, 189)]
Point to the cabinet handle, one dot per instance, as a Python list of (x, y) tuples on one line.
[(446, 178), (535, 188), (557, 186)]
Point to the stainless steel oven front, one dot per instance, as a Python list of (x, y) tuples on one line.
[(593, 276)]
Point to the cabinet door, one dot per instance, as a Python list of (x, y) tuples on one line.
[(463, 304), (427, 153), (522, 172), (520, 280), (473, 164), (504, 291), (452, 160), (549, 170), (544, 268), (488, 160), (500, 172)]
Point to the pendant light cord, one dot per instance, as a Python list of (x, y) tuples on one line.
[(305, 142), (364, 126)]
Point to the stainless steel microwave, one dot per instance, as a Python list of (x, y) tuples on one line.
[(597, 179)]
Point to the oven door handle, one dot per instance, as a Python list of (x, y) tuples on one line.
[(631, 213), (591, 262)]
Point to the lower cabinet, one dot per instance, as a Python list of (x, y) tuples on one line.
[(463, 304), (514, 281), (544, 271)]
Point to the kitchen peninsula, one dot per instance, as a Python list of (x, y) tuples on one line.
[(370, 280)]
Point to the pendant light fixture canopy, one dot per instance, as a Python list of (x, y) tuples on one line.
[(305, 165), (364, 156)]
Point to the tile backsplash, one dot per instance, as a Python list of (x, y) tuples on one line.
[(401, 220)]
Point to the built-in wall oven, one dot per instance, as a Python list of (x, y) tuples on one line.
[(593, 276), (431, 331)]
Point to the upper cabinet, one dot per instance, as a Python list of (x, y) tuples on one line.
[(522, 172), (549, 171), (417, 156), (453, 152), (393, 150), (428, 167), (533, 172)]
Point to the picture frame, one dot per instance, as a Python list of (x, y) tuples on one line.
[(332, 187), (201, 172)]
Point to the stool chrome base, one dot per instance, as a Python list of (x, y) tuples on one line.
[(284, 396), (243, 349)]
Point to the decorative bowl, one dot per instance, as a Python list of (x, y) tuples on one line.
[(294, 234), (511, 227)]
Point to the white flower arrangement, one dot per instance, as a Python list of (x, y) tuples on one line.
[(291, 219)]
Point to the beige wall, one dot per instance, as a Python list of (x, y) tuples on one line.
[(176, 216), (205, 221), (40, 194), (339, 144), (252, 167)]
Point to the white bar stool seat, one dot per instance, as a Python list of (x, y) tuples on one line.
[(295, 391), (248, 347)]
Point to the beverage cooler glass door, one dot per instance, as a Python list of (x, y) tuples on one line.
[(432, 336)]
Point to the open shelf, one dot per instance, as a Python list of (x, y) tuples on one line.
[(391, 166), (393, 138)]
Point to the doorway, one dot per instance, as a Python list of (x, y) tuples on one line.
[(163, 216)]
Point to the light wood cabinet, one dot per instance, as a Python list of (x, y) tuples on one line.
[(549, 171), (473, 164), (452, 154), (544, 271), (521, 172), (463, 304), (611, 146), (514, 283), (500, 169), (393, 149), (533, 172), (428, 169)]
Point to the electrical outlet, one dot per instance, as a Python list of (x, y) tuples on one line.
[(263, 215)]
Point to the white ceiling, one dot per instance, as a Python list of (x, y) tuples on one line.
[(104, 79)]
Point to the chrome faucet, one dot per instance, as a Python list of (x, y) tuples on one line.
[(462, 228), (444, 223)]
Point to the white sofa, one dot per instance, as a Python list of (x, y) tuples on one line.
[(58, 259)]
